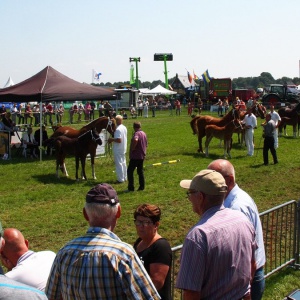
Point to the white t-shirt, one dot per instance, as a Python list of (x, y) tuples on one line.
[(33, 268), (120, 133), (275, 117)]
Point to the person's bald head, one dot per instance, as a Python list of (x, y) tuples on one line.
[(224, 167), (15, 245)]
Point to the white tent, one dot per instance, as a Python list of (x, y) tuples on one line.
[(159, 90), (9, 83)]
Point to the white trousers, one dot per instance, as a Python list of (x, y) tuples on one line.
[(276, 138), (249, 141), (121, 167)]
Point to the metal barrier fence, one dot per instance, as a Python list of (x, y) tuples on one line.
[(281, 230)]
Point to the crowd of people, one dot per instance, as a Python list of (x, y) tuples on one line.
[(223, 255)]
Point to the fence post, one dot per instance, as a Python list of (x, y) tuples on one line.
[(297, 229)]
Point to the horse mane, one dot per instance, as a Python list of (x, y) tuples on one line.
[(92, 124)]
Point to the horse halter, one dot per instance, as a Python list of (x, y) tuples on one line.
[(93, 138), (109, 124)]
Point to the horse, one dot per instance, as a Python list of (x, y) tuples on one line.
[(205, 120), (222, 133), (193, 124), (101, 123), (74, 146), (289, 116)]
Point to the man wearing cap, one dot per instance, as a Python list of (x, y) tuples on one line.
[(238, 199), (119, 149), (217, 259), (11, 289), (99, 265), (137, 154)]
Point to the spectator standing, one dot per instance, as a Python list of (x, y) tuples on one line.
[(140, 108), (111, 268), (170, 108), (60, 113), (212, 266), (30, 143), (36, 114), (24, 265), (101, 109), (190, 108), (153, 107), (73, 110), (107, 108), (225, 105), (20, 114), (137, 154), (177, 107), (276, 118), (87, 111), (154, 251), (14, 112), (28, 114), (49, 112), (119, 149), (249, 103), (146, 106), (238, 199), (269, 144), (93, 108), (250, 122), (2, 111), (220, 108), (80, 112)]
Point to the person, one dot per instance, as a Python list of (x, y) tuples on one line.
[(14, 112), (26, 266), (73, 110), (124, 114), (249, 103), (133, 111), (250, 122), (11, 289), (169, 107), (28, 114), (92, 112), (2, 111), (107, 109), (190, 108), (220, 108), (146, 105), (30, 143), (101, 109), (153, 107), (79, 112), (98, 265), (36, 114), (49, 112), (217, 259), (60, 113), (119, 149), (177, 107), (225, 105), (87, 111), (137, 154), (277, 119), (238, 199), (20, 115), (269, 143), (140, 108), (154, 250)]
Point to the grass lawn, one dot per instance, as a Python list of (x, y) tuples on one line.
[(49, 210)]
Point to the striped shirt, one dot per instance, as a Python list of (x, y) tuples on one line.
[(99, 265), (216, 255)]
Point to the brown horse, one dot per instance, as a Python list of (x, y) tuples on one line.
[(289, 116), (222, 133), (203, 121), (99, 124), (74, 146)]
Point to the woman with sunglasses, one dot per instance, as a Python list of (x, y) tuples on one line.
[(154, 251)]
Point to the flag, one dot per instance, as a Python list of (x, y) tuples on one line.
[(195, 76), (132, 80), (206, 77), (189, 77), (97, 75)]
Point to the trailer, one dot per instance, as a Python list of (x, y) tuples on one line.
[(220, 88)]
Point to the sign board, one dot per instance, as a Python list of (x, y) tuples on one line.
[(100, 151), (162, 56)]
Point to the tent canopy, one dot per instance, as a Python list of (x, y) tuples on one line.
[(159, 90), (51, 85), (9, 83)]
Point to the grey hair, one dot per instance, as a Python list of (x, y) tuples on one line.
[(101, 214)]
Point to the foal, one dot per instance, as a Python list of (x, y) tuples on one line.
[(80, 147)]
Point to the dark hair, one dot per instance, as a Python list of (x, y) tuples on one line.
[(136, 125), (148, 210)]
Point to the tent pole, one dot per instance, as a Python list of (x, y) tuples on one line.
[(41, 130)]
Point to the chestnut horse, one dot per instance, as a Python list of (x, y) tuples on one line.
[(101, 123), (74, 146), (289, 116), (203, 121), (223, 133)]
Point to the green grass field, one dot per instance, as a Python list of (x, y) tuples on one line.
[(49, 210)]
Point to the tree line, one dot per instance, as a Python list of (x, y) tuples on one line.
[(261, 81)]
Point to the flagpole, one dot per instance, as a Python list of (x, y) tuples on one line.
[(93, 72)]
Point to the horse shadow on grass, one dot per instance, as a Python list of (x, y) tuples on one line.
[(51, 178)]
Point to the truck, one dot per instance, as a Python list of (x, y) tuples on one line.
[(244, 94), (280, 95)]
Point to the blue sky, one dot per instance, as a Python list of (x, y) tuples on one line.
[(233, 38)]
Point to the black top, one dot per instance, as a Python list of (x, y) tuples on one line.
[(159, 252)]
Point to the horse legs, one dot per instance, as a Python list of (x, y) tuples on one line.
[(200, 149), (227, 147), (207, 141), (82, 159), (77, 166), (93, 155), (57, 169)]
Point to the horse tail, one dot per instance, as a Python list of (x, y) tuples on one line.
[(194, 126)]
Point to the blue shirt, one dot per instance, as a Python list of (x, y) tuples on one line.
[(239, 200)]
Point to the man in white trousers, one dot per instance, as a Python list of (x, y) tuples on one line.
[(250, 124), (119, 149)]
